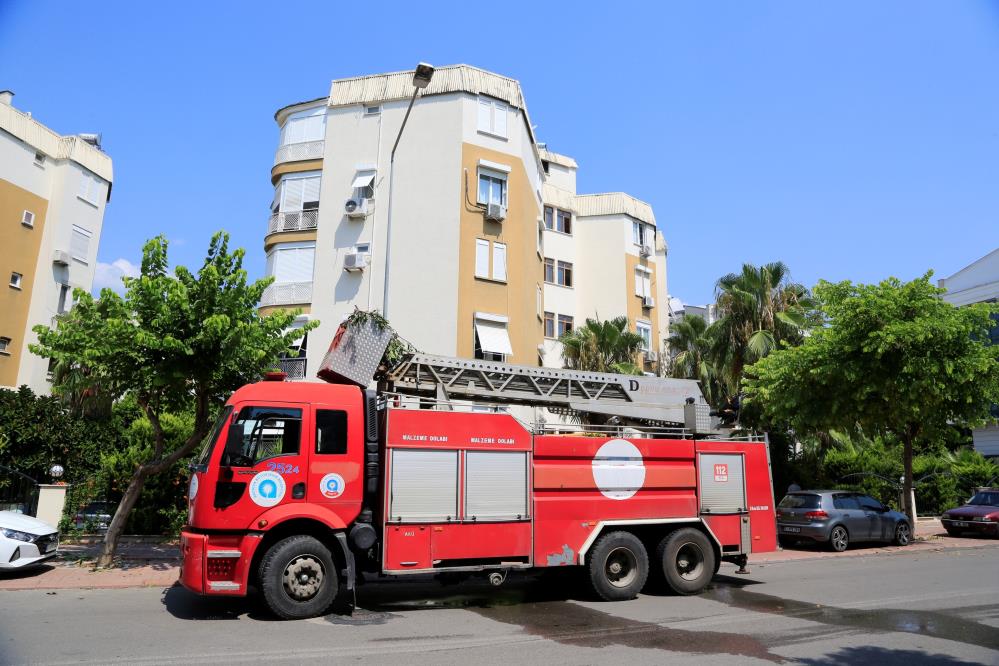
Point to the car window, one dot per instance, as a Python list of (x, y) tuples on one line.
[(869, 503), (331, 431), (268, 432), (985, 499), (800, 501), (845, 502)]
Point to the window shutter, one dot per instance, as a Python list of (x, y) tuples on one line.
[(481, 258), (646, 285), (499, 261), (314, 128), (84, 186), (485, 112), (499, 119), (311, 188), (496, 485), (638, 283), (294, 264), (294, 189), (424, 485), (79, 245)]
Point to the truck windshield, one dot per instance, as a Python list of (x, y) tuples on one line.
[(213, 436)]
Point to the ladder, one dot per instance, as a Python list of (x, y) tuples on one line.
[(633, 399)]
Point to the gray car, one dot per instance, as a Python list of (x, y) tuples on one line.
[(837, 518)]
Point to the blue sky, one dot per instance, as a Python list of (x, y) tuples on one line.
[(852, 140)]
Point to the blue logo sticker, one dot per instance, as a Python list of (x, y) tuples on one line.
[(267, 489), (332, 486)]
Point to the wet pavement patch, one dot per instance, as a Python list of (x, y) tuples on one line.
[(935, 624), (359, 617)]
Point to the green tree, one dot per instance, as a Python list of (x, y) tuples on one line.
[(176, 342), (690, 342), (893, 359), (602, 346)]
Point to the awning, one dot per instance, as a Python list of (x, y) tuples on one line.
[(364, 179), (493, 337)]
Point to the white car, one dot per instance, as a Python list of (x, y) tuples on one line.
[(25, 540)]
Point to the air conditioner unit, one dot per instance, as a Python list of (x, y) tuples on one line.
[(648, 301), (356, 207), (645, 250), (61, 257), (495, 212), (651, 356), (355, 261)]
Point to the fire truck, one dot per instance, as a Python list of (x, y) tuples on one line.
[(303, 488)]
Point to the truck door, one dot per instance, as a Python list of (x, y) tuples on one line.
[(335, 468)]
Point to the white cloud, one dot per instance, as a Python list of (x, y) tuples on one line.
[(109, 275)]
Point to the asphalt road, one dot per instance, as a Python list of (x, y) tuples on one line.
[(938, 608)]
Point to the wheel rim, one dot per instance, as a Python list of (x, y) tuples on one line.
[(839, 538), (903, 534), (621, 567), (689, 561), (303, 577)]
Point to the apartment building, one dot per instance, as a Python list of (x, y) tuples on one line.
[(53, 193), (472, 240)]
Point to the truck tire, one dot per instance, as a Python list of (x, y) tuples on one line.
[(618, 566), (298, 578), (687, 559)]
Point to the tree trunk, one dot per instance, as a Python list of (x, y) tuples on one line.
[(117, 525), (910, 510)]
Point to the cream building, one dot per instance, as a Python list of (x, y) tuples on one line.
[(53, 193), (487, 249)]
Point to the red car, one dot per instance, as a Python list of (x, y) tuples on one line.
[(980, 515)]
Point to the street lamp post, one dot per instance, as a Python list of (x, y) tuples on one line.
[(421, 79)]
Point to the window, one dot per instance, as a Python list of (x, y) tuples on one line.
[(564, 325), (15, 280), (90, 188), (481, 258), (549, 324), (297, 193), (636, 232), (549, 270), (40, 159), (372, 110), (482, 253), (540, 300), (549, 217), (645, 330), (800, 501), (267, 432), (331, 431), (491, 338), (364, 184), (564, 274), (492, 117), (304, 126), (362, 248), (643, 281), (869, 503), (292, 262), (4, 346), (541, 238), (499, 261), (28, 218), (845, 502), (563, 221), (545, 166), (79, 244), (492, 188)]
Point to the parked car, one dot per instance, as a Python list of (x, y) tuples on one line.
[(25, 541), (980, 515), (94, 516), (837, 518)]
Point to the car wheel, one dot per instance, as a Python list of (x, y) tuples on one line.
[(903, 534), (618, 567), (839, 539), (298, 578), (687, 559)]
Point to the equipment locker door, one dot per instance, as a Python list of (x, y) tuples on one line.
[(722, 483)]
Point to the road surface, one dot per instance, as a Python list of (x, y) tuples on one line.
[(938, 608)]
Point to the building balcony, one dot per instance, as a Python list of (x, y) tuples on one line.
[(299, 220), (298, 152), (293, 367), (287, 293)]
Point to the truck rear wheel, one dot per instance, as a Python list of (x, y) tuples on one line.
[(687, 559), (619, 566), (298, 578)]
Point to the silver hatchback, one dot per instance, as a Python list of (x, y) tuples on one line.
[(837, 518)]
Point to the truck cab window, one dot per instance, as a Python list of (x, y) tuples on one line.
[(331, 431), (267, 432)]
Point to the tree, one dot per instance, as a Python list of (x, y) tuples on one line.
[(893, 359), (602, 346), (175, 342), (689, 344)]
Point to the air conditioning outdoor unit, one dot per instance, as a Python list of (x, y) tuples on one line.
[(355, 261), (645, 250), (651, 356), (495, 212), (648, 301), (356, 207), (60, 257)]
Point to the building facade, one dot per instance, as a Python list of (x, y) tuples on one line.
[(472, 240), (53, 193), (979, 283)]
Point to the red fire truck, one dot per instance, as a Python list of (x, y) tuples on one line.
[(303, 486)]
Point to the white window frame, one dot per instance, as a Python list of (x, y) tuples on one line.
[(488, 110), (28, 219), (15, 280), (5, 345), (493, 176), (644, 329), (39, 162)]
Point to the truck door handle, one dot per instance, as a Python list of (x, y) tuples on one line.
[(298, 491)]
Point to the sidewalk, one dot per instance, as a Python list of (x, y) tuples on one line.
[(158, 565)]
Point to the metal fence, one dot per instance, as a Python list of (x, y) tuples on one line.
[(18, 492)]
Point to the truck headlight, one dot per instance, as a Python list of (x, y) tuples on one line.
[(17, 536)]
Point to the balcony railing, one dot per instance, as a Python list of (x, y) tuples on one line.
[(299, 220), (287, 293), (293, 367), (296, 152)]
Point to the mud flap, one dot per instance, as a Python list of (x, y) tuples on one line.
[(348, 558)]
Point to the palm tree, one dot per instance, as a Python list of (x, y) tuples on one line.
[(690, 344), (602, 346), (760, 309)]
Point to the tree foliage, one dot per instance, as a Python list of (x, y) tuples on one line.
[(176, 342), (602, 346), (892, 359)]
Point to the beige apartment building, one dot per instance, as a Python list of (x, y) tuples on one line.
[(53, 192), (473, 240)]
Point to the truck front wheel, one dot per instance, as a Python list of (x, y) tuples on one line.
[(619, 566), (688, 560), (298, 578)]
